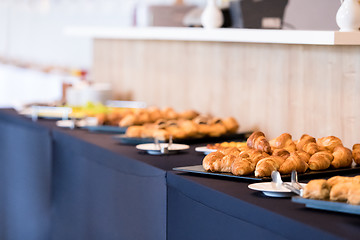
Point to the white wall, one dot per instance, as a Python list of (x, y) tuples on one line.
[(32, 31)]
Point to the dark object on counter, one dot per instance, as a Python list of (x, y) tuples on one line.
[(258, 13)]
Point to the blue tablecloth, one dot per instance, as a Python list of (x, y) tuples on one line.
[(72, 184)]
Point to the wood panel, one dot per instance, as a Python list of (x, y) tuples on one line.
[(272, 87)]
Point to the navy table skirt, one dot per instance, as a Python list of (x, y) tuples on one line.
[(72, 184)]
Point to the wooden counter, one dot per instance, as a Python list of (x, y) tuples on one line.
[(273, 80)]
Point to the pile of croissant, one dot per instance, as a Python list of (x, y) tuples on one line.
[(338, 188), (260, 156), (197, 127), (139, 116)]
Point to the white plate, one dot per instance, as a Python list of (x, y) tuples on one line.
[(47, 112), (272, 190), (65, 123), (205, 150), (87, 122), (152, 148)]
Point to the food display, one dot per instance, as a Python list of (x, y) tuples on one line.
[(184, 125), (260, 157), (226, 145), (338, 188)]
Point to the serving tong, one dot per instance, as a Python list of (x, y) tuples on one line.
[(164, 148), (295, 186)]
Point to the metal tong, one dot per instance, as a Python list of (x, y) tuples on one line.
[(295, 186), (164, 148)]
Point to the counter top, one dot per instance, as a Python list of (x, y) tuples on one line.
[(219, 35)]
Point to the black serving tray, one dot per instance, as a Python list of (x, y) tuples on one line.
[(198, 169), (328, 205), (106, 129), (123, 139)]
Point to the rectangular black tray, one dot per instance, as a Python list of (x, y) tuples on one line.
[(328, 205), (198, 169), (123, 139)]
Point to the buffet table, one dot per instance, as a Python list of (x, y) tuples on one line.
[(87, 186)]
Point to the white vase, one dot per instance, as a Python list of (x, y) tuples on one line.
[(212, 16), (348, 16)]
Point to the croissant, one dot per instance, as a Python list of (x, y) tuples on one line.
[(356, 153), (256, 155), (342, 157), (328, 143), (281, 153), (267, 165), (320, 160), (338, 179), (340, 191), (232, 151), (127, 121), (258, 141), (230, 124), (188, 114), (154, 114), (354, 195), (283, 141), (224, 164), (242, 166), (208, 161), (317, 189), (307, 144), (304, 156), (294, 162), (134, 131)]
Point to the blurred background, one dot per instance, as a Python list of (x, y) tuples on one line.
[(32, 31)]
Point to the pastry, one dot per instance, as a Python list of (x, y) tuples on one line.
[(267, 165), (216, 128), (230, 124), (328, 143), (189, 127), (281, 153), (304, 156), (342, 157), (317, 189), (169, 113), (188, 114), (284, 141), (320, 160), (338, 179), (354, 195), (134, 131), (154, 114), (242, 166), (209, 160), (356, 153), (307, 144), (226, 163), (230, 151), (127, 121), (258, 141), (340, 191), (294, 162)]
